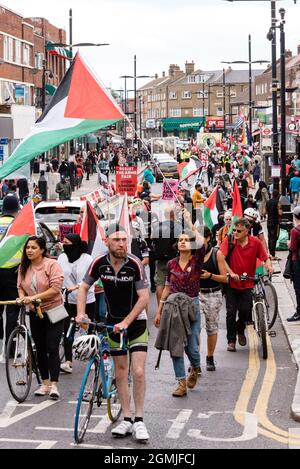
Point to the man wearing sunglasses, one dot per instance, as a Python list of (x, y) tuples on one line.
[(241, 259)]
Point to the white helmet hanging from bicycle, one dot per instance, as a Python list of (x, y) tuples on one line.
[(85, 347)]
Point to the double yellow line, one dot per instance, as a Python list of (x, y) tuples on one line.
[(265, 426)]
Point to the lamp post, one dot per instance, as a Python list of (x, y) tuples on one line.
[(224, 100), (282, 102), (135, 78), (271, 36), (249, 63)]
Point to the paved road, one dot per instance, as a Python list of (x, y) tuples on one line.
[(244, 404)]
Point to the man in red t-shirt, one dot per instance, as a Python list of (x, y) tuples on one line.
[(242, 259)]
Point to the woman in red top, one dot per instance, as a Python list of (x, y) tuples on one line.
[(295, 251), (183, 276)]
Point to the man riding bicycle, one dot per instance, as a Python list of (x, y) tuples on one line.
[(126, 290)]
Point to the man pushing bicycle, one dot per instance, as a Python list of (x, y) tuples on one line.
[(127, 295)]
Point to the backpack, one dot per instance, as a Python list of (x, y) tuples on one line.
[(164, 249)]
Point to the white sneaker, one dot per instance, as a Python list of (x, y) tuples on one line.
[(54, 394), (66, 368), (43, 390), (122, 430), (140, 433)]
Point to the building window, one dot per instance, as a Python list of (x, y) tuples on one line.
[(235, 110), (26, 54), (8, 49), (172, 95), (38, 61), (233, 94), (18, 52), (198, 112), (220, 111), (192, 79), (200, 94), (186, 95), (220, 94), (175, 112)]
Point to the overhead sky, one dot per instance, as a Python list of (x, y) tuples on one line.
[(161, 32)]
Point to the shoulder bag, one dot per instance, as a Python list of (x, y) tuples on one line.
[(57, 314)]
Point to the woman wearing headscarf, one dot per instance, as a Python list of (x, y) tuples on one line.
[(75, 262)]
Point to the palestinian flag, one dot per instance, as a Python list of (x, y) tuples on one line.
[(237, 210), (17, 234), (193, 167), (93, 233), (80, 106), (212, 208)]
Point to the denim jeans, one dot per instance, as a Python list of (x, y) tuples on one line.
[(192, 348), (296, 282)]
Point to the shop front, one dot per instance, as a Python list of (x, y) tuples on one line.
[(184, 128)]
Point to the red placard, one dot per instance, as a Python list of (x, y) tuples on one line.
[(126, 180), (216, 121)]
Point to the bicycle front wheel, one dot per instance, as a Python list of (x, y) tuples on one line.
[(114, 408), (271, 302), (18, 364), (87, 398), (262, 330)]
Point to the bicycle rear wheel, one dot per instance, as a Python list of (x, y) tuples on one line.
[(18, 364), (87, 398), (262, 330), (271, 302)]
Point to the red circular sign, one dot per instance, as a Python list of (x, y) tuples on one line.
[(267, 131)]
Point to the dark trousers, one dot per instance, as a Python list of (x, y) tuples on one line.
[(296, 282), (47, 338), (273, 232), (210, 177), (152, 267), (72, 311), (237, 301), (8, 291)]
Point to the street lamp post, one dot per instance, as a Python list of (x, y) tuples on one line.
[(272, 37), (224, 100), (283, 103)]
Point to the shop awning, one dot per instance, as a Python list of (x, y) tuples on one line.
[(58, 51), (183, 124), (50, 89)]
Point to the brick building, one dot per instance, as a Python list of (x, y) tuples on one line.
[(24, 64)]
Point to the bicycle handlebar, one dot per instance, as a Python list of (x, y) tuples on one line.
[(99, 325), (35, 303), (245, 276)]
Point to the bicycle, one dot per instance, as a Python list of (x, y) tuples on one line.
[(98, 383), (263, 316), (20, 355)]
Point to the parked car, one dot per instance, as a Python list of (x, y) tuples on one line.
[(159, 157), (64, 212), (168, 168)]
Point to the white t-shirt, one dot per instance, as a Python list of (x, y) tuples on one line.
[(74, 274)]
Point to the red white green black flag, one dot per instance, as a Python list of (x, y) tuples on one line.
[(80, 105)]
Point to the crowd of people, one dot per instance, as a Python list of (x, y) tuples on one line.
[(193, 269)]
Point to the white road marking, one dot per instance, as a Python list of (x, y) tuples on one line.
[(42, 444), (293, 432), (100, 428), (6, 420), (83, 445), (250, 430), (179, 423)]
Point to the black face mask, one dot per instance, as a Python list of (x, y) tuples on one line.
[(72, 251)]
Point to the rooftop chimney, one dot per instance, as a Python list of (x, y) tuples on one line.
[(189, 68), (298, 50), (164, 73), (156, 76), (174, 70)]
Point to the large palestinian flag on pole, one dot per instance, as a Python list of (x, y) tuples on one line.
[(80, 106)]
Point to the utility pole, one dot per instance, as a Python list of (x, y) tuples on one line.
[(283, 103), (274, 92), (250, 95)]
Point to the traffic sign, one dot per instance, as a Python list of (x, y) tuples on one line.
[(266, 132)]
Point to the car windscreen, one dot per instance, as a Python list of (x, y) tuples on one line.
[(57, 214), (168, 166)]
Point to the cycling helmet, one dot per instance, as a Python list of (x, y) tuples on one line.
[(296, 212), (251, 213), (85, 347)]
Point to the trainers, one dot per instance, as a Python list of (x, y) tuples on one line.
[(140, 433), (66, 368), (192, 378), (242, 340), (210, 364), (122, 430), (295, 317), (54, 394), (181, 389), (231, 347), (42, 391)]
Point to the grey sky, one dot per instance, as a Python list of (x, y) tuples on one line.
[(161, 32)]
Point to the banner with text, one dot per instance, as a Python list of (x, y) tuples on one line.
[(126, 180), (170, 189)]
